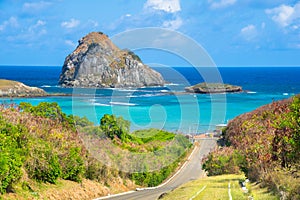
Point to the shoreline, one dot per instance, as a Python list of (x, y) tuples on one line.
[(35, 96)]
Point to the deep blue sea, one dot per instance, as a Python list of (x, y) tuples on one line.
[(166, 107)]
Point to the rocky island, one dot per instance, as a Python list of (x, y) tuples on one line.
[(205, 88), (10, 88), (98, 63)]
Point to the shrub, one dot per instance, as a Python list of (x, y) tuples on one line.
[(73, 165), (43, 164), (10, 168), (224, 161), (115, 126), (11, 154)]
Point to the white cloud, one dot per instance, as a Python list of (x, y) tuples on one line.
[(38, 24), (221, 3), (93, 23), (169, 6), (249, 32), (70, 24), (11, 22), (35, 6), (70, 43), (285, 15), (173, 24)]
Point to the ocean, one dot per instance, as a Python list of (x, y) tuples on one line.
[(166, 107)]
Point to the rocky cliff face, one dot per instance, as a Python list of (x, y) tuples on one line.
[(16, 89), (97, 62)]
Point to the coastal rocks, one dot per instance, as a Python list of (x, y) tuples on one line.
[(10, 89), (205, 88), (97, 62)]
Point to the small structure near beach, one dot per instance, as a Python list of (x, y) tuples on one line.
[(206, 88)]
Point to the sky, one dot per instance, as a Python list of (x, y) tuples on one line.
[(233, 32)]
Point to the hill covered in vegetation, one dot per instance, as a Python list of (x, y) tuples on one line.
[(265, 145), (45, 153)]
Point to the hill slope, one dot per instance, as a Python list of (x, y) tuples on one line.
[(265, 145), (48, 154)]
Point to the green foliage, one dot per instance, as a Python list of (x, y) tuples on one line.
[(43, 164), (54, 112), (151, 179), (45, 145), (45, 156), (73, 165), (11, 154), (133, 55), (291, 123), (224, 161), (154, 178), (115, 126), (44, 109), (150, 135), (81, 121), (269, 140)]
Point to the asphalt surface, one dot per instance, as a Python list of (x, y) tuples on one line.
[(192, 170)]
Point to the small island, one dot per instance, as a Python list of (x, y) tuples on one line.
[(9, 88), (207, 88), (98, 63)]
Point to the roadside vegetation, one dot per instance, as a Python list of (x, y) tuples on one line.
[(42, 145), (265, 146), (216, 187)]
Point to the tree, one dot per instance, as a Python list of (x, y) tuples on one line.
[(115, 126)]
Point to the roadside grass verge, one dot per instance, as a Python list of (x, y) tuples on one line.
[(216, 187)]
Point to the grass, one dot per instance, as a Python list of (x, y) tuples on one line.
[(216, 187), (5, 84), (150, 135)]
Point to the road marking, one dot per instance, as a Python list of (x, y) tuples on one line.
[(229, 192), (114, 195), (198, 193)]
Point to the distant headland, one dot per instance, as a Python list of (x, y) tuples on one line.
[(9, 88), (98, 63)]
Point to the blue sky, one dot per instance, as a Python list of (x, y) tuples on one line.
[(233, 32)]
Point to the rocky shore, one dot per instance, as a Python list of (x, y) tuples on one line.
[(98, 63), (11, 89), (206, 88)]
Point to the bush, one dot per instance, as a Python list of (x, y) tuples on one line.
[(224, 161), (10, 168), (11, 154), (115, 126), (43, 164), (73, 165), (44, 109)]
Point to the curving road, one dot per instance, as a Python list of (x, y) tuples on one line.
[(192, 170)]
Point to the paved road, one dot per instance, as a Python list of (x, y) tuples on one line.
[(192, 170)]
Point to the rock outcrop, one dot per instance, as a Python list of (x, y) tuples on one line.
[(10, 88), (97, 62), (205, 88)]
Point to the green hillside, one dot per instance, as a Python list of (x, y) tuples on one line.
[(43, 148), (265, 145)]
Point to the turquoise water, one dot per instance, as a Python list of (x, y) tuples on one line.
[(166, 107)]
